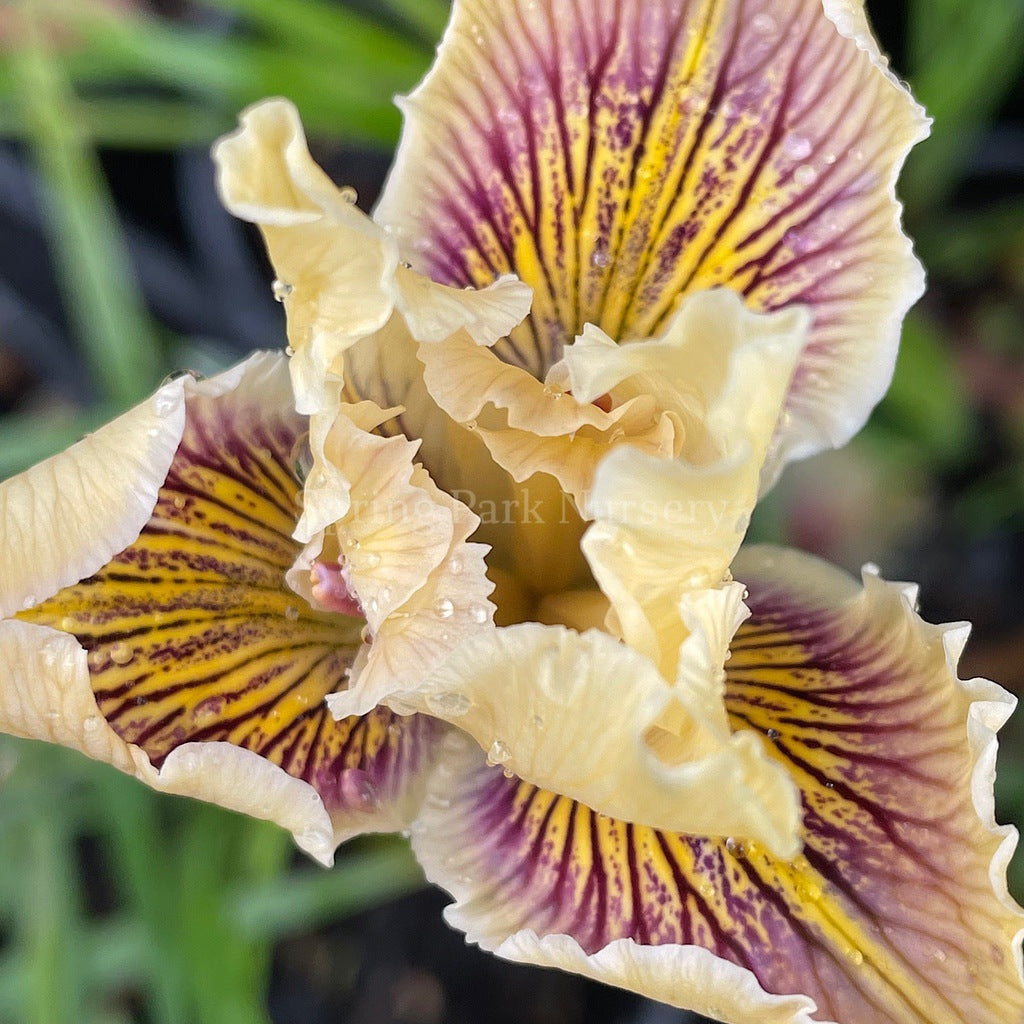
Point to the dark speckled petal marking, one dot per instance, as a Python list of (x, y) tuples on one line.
[(618, 155), (193, 636), (891, 915)]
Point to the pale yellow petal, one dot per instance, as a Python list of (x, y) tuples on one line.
[(688, 977), (435, 312), (664, 527), (451, 606), (335, 267)]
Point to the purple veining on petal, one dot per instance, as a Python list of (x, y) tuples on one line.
[(623, 155), (888, 915)]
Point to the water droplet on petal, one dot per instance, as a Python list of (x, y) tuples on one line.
[(91, 723), (797, 147), (448, 705), (479, 614), (444, 608), (764, 24), (348, 194), (498, 754), (291, 613), (301, 458), (179, 374), (357, 789), (372, 560), (121, 654), (281, 290), (736, 847), (773, 734), (805, 175), (179, 502), (455, 566)]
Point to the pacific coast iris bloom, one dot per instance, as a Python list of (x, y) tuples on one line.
[(632, 259)]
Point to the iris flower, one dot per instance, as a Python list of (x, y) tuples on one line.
[(632, 259)]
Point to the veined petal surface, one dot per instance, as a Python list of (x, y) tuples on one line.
[(618, 155), (896, 912), (187, 660)]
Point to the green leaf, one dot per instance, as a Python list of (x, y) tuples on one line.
[(29, 438), (303, 900), (927, 403), (964, 58), (328, 30), (91, 260)]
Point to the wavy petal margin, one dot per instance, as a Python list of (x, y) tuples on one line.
[(184, 659), (617, 156), (896, 912)]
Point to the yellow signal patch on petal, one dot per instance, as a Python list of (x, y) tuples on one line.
[(896, 912), (617, 156)]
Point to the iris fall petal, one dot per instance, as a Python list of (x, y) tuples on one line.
[(184, 658), (619, 156), (896, 912)]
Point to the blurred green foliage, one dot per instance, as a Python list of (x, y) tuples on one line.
[(193, 897)]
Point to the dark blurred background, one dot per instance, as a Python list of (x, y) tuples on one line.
[(118, 266)]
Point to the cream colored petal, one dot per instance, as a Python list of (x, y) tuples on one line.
[(335, 267), (531, 427), (394, 534), (46, 694), (897, 909), (585, 716), (451, 606), (338, 273), (67, 516), (702, 369), (663, 528), (327, 490), (688, 977), (464, 378), (403, 561), (502, 904)]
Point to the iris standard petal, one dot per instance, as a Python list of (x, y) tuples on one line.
[(896, 912), (186, 654), (616, 156)]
